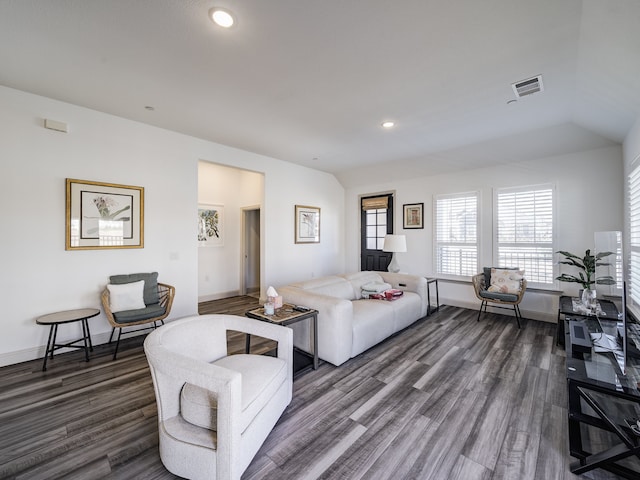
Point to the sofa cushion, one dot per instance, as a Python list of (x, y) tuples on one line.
[(332, 286), (261, 378), (406, 310), (150, 284), (373, 321)]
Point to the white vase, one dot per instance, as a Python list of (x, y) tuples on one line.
[(589, 298)]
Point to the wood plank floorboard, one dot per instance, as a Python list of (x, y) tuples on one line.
[(447, 398)]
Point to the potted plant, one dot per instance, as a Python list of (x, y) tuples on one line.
[(587, 276)]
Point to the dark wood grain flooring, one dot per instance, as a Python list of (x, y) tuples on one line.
[(447, 398)]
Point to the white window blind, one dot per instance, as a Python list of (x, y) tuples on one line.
[(456, 228), (524, 231), (634, 235)]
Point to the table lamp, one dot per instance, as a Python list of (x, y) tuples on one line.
[(394, 243)]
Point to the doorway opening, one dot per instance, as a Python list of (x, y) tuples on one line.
[(250, 252)]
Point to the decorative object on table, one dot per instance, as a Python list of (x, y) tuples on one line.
[(275, 298), (103, 215), (269, 308), (413, 215), (135, 299), (394, 244), (307, 221), (587, 276), (502, 286), (210, 225)]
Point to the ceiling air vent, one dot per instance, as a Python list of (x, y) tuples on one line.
[(528, 86)]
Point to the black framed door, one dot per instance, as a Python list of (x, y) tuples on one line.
[(376, 221)]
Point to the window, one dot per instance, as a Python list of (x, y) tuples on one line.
[(634, 235), (524, 231), (456, 231)]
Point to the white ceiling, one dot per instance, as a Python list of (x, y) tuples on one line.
[(310, 81)]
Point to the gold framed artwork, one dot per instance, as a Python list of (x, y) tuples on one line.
[(103, 215), (413, 215), (307, 220)]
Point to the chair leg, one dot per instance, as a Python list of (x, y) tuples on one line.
[(483, 304), (117, 344), (111, 336), (518, 314)]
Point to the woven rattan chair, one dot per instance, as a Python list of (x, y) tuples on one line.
[(158, 301), (501, 300)]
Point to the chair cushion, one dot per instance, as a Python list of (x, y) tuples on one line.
[(261, 378), (151, 296), (505, 297), (127, 296), (505, 280), (129, 316)]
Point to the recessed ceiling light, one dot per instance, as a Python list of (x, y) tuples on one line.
[(388, 124), (221, 17)]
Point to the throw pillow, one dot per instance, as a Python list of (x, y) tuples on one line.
[(150, 284), (505, 280), (126, 296)]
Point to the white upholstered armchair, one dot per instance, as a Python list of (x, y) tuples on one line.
[(214, 410)]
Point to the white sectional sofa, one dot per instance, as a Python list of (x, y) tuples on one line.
[(348, 324)]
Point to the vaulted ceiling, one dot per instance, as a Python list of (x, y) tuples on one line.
[(311, 81)]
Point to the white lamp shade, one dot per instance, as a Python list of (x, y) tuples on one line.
[(395, 243)]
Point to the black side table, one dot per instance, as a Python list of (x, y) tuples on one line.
[(68, 316), (437, 307), (286, 315)]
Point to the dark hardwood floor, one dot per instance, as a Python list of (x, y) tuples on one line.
[(447, 398)]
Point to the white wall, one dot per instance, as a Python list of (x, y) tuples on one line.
[(589, 198), (39, 276), (219, 267)]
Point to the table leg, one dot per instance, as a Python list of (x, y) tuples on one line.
[(46, 352), (55, 335), (86, 322), (84, 338), (247, 344), (314, 319)]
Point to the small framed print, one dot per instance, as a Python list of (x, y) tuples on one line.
[(210, 225), (413, 215), (103, 215), (307, 220)]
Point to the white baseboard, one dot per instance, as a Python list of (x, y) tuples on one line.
[(34, 353), (218, 296)]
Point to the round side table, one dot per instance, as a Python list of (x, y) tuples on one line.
[(69, 316)]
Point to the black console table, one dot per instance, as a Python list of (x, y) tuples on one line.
[(567, 307), (601, 396)]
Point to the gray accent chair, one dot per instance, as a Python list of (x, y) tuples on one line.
[(216, 410), (158, 299), (509, 301)]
